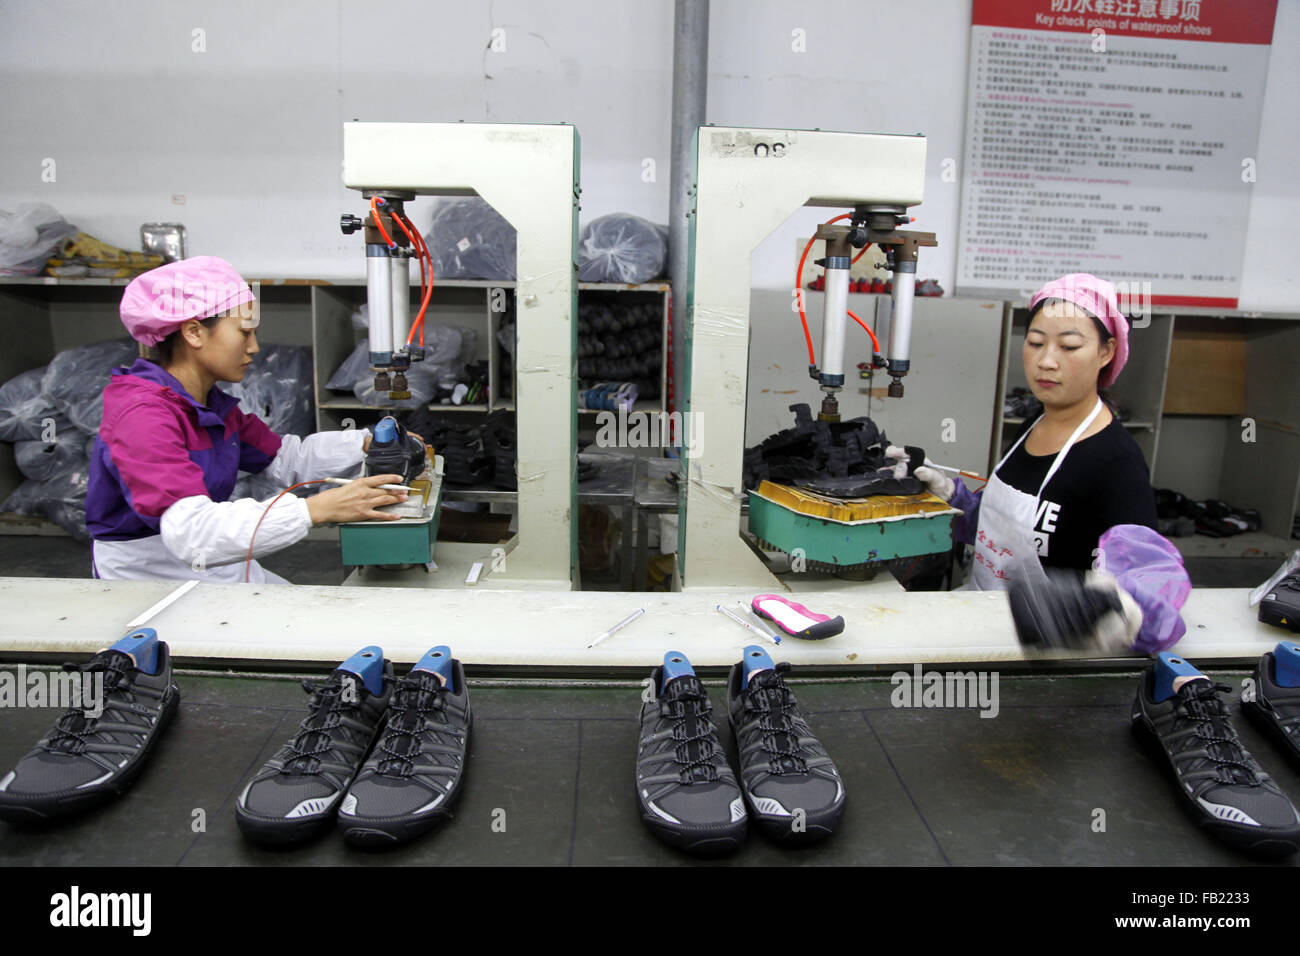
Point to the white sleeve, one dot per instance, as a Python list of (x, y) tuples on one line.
[(322, 455), (205, 533)]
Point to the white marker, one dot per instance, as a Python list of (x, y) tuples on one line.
[(617, 627), (348, 481), (747, 626)]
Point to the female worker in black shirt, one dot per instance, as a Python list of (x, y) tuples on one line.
[(1073, 495)]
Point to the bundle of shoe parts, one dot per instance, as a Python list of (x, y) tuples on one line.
[(621, 342), (84, 255), (834, 459), (838, 470), (1179, 516), (1021, 403)]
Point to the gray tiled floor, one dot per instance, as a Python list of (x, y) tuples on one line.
[(926, 786)]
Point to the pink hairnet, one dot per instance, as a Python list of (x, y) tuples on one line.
[(160, 301), (1097, 298)]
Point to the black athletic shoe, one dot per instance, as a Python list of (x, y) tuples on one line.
[(686, 790), (295, 795), (1274, 708), (414, 774), (86, 761), (1224, 787), (1281, 605), (794, 791)]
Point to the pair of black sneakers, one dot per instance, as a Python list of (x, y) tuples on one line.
[(1181, 714), (686, 790), (381, 758)]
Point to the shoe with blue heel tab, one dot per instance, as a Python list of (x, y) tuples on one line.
[(685, 788), (295, 795), (98, 747), (415, 772), (1179, 713), (793, 788), (1272, 699)]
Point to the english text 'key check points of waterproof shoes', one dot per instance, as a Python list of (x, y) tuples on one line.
[(794, 791), (295, 796), (1179, 713), (685, 789), (87, 760), (415, 772)]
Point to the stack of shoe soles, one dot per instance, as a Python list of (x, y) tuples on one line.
[(381, 758), (835, 459), (1181, 715), (1179, 516), (687, 791), (620, 341)]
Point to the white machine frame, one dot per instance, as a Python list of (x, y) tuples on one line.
[(529, 174), (747, 183)]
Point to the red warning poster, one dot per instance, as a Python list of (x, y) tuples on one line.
[(1115, 137)]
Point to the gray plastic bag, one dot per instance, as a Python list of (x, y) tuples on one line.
[(622, 248), (470, 240), (25, 410), (76, 378), (278, 389)]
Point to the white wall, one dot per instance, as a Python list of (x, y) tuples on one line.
[(248, 132)]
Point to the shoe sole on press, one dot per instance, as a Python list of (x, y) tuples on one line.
[(42, 809), (1276, 844)]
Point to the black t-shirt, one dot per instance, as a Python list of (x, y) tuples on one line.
[(1103, 482)]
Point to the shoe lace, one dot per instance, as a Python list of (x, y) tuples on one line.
[(687, 706), (774, 705), (314, 739), (73, 730), (1202, 705), (416, 698)]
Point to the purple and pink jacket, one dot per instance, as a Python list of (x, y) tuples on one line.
[(165, 464), (158, 445)]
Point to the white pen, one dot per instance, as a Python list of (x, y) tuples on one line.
[(348, 481), (617, 627), (747, 626)]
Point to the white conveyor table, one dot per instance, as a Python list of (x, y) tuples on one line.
[(551, 629)]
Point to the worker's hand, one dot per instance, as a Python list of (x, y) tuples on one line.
[(936, 482), (356, 501), (1066, 611)]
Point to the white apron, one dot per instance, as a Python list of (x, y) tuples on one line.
[(1007, 519)]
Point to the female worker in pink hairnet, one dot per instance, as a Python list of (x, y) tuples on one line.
[(1067, 525), (1073, 493), (172, 444)]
